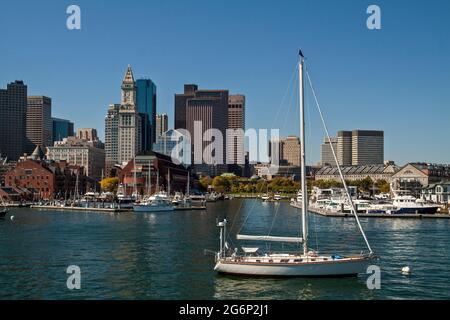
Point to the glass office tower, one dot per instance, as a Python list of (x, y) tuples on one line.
[(146, 104)]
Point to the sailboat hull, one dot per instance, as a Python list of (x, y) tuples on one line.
[(335, 268)]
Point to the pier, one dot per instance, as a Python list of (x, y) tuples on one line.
[(105, 210), (83, 209), (326, 213)]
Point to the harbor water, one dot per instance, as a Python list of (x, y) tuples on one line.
[(166, 255)]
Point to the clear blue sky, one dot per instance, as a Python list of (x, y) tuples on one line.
[(396, 79)]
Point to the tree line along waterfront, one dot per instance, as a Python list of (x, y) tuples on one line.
[(285, 185)]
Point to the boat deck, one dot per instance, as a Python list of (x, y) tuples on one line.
[(326, 213)]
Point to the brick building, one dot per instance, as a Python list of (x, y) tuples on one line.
[(161, 167), (47, 179)]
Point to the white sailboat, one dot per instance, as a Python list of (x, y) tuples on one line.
[(302, 264)]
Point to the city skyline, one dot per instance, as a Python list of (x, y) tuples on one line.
[(387, 87)]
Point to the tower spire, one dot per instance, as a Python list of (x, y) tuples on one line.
[(129, 78)]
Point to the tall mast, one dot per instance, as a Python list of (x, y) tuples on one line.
[(188, 183), (168, 182), (157, 180), (149, 184), (302, 154), (134, 178)]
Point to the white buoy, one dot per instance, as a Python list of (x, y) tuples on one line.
[(11, 218), (406, 270)]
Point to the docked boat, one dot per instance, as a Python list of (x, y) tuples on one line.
[(277, 197), (158, 204), (407, 204), (250, 261)]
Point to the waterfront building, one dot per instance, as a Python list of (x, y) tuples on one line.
[(267, 172), (326, 153), (437, 192), (62, 128), (146, 106), (135, 175), (414, 177), (375, 172), (236, 137), (5, 166), (48, 180), (13, 110), (210, 109), (39, 122), (80, 152), (161, 124), (174, 144)]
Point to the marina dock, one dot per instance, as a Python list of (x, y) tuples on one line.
[(331, 214), (85, 209), (105, 210)]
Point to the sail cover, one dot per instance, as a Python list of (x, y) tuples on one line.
[(269, 238)]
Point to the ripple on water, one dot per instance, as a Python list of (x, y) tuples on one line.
[(161, 256)]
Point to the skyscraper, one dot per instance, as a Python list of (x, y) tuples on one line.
[(123, 125), (13, 108), (209, 109), (367, 147), (326, 154), (360, 147), (161, 124), (130, 122), (62, 128), (290, 151), (344, 148), (39, 123), (236, 136), (111, 137), (181, 103), (146, 105)]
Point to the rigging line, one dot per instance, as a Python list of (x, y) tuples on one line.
[(248, 215), (309, 136), (285, 94), (274, 218), (337, 163), (291, 105), (235, 217)]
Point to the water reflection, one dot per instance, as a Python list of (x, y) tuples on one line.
[(229, 287)]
